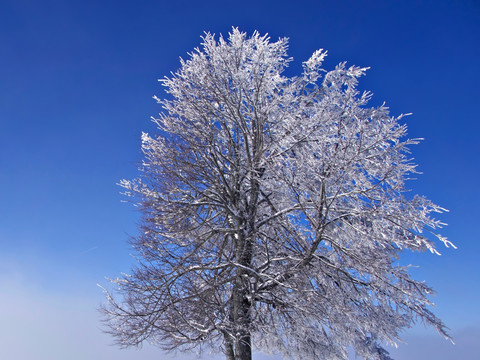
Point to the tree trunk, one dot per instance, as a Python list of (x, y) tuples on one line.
[(241, 317), (241, 304), (244, 348), (229, 352)]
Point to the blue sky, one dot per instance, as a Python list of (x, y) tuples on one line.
[(76, 86)]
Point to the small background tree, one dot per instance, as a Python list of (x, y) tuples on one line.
[(274, 212)]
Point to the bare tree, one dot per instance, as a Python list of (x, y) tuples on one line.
[(274, 212)]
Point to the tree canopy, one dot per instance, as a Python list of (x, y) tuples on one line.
[(274, 211)]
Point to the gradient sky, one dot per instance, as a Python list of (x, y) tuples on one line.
[(76, 86)]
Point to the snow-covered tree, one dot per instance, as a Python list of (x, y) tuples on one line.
[(274, 213)]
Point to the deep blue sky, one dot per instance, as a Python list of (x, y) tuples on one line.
[(76, 86)]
